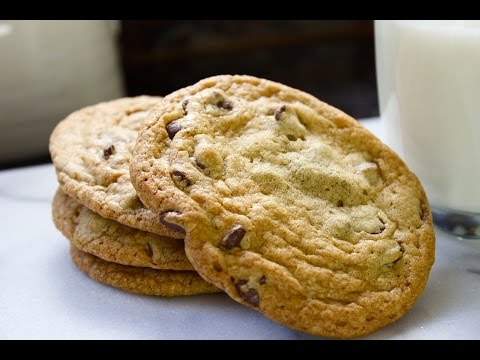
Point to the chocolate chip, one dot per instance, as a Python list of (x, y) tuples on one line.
[(217, 266), (179, 176), (199, 164), (225, 104), (339, 203), (262, 280), (148, 249), (172, 129), (170, 225), (184, 106), (250, 295), (233, 237), (423, 211), (279, 112), (108, 151)]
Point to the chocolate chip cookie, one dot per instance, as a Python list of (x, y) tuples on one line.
[(114, 242), (91, 150), (141, 280), (289, 205)]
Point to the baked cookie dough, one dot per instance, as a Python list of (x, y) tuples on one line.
[(140, 280), (91, 150), (289, 205), (114, 242)]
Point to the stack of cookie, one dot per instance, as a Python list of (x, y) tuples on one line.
[(114, 238), (284, 202)]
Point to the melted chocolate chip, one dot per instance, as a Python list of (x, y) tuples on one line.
[(262, 280), (233, 237), (184, 106), (172, 129), (250, 295), (225, 104), (339, 203), (179, 176), (170, 225), (108, 151), (279, 112)]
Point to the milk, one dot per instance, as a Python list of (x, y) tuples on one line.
[(428, 75)]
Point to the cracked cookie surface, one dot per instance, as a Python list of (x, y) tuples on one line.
[(114, 242), (289, 205), (91, 150), (141, 280)]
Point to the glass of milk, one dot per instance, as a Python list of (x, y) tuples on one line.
[(428, 74), (49, 68)]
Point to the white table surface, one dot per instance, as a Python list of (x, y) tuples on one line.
[(43, 296)]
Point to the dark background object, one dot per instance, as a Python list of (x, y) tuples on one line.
[(331, 59)]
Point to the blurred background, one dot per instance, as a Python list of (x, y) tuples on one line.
[(51, 68)]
